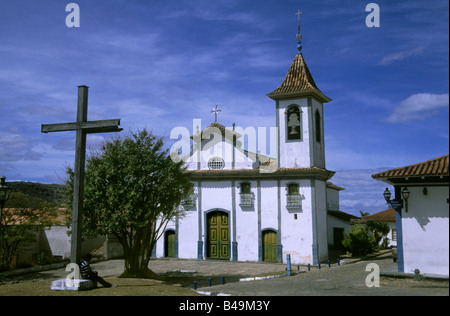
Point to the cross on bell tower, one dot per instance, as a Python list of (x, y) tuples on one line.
[(299, 36)]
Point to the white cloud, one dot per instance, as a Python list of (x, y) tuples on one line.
[(17, 147), (362, 193), (402, 55), (418, 107)]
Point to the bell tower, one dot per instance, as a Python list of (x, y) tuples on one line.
[(299, 116)]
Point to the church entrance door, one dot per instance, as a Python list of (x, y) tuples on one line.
[(269, 246), (218, 243), (169, 243)]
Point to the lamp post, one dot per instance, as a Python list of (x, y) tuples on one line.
[(387, 195), (5, 191), (405, 195)]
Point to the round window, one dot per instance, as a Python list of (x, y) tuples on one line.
[(216, 163)]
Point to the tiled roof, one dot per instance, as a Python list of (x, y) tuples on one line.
[(18, 216), (342, 215), (331, 185), (208, 130), (383, 216), (298, 82), (434, 167)]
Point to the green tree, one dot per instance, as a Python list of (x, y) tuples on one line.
[(364, 213), (378, 230), (132, 190)]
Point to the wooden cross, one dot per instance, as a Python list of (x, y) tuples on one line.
[(83, 127), (216, 111)]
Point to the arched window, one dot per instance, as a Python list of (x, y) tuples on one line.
[(318, 127), (293, 123)]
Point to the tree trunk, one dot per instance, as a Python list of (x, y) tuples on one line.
[(136, 261)]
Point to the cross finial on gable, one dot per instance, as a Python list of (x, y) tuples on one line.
[(216, 111)]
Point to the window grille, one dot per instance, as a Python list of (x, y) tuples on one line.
[(246, 199), (293, 200), (189, 201), (216, 163)]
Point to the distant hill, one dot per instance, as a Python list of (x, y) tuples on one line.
[(54, 193)]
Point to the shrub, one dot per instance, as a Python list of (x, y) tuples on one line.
[(358, 241)]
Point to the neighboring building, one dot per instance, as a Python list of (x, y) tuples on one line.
[(422, 221), (338, 224), (388, 217), (251, 207), (51, 243)]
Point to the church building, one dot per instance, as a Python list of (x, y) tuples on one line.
[(251, 207)]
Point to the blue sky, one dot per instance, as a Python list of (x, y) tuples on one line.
[(161, 64)]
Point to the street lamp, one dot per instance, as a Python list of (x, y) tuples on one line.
[(387, 195), (405, 195), (5, 191)]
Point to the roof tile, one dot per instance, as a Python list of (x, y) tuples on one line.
[(298, 82), (434, 167)]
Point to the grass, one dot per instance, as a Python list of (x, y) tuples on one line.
[(125, 287)]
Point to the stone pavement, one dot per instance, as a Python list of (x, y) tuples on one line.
[(348, 279), (171, 267), (336, 281)]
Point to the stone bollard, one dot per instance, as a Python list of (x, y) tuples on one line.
[(417, 275)]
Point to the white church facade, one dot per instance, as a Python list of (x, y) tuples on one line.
[(252, 207)]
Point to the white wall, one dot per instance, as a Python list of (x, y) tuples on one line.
[(59, 241), (392, 242), (338, 223), (187, 233), (247, 226), (332, 199), (426, 231), (297, 234)]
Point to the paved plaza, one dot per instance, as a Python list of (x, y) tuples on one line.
[(346, 279)]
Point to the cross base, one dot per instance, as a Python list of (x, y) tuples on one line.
[(73, 285)]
